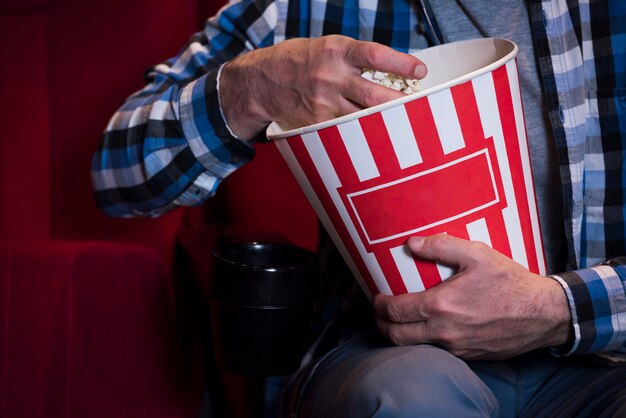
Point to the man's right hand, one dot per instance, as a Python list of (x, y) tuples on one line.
[(304, 81)]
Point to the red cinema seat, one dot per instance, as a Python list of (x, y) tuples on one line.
[(89, 321), (103, 317)]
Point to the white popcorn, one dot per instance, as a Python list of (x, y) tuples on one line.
[(379, 75), (368, 75), (392, 81)]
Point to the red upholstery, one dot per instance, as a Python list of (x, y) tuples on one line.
[(24, 146), (107, 46), (89, 333), (91, 307), (89, 325)]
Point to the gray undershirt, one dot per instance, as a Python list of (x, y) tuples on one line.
[(465, 19)]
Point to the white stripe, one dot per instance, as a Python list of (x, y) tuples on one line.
[(279, 32), (202, 187), (111, 178), (196, 144), (314, 146), (189, 127), (322, 162), (484, 91), (614, 288), (478, 231), (120, 118), (183, 59), (368, 5), (448, 127), (303, 181), (407, 268), (139, 116), (161, 68), (570, 301), (159, 110), (445, 272), (162, 110), (401, 135), (525, 156), (571, 59), (159, 159), (358, 149), (261, 27)]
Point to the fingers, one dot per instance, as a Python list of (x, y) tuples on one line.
[(404, 334), (301, 82), (340, 107), (447, 249), (368, 94), (403, 308), (347, 106), (382, 58)]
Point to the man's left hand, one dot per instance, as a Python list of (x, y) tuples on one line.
[(492, 308)]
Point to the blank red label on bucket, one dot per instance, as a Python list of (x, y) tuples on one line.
[(455, 161), (434, 195)]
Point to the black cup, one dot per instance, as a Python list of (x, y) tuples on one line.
[(261, 307)]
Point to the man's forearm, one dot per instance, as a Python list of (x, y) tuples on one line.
[(168, 145)]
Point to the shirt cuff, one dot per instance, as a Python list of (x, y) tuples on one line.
[(204, 127), (597, 301)]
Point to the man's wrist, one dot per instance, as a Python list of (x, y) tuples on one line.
[(204, 128), (558, 313), (243, 115), (594, 295), (562, 334)]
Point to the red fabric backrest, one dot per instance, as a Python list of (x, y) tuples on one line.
[(87, 331), (24, 147), (98, 54), (66, 66)]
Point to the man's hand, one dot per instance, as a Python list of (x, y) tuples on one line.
[(492, 308), (304, 81)]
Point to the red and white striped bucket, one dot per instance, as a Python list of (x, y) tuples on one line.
[(452, 158)]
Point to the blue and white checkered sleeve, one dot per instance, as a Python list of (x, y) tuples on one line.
[(597, 300), (169, 144)]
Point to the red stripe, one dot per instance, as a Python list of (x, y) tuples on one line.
[(338, 154), (457, 229), (509, 129), (468, 115), (392, 274), (304, 159), (428, 272), (424, 129), (532, 180), (497, 233), (381, 146)]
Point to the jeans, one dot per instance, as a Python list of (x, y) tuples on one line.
[(368, 377)]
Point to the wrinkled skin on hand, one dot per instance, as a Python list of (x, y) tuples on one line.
[(304, 81), (492, 308)]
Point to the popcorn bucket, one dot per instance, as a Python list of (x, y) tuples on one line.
[(452, 158)]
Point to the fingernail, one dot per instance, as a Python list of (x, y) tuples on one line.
[(416, 241), (420, 71)]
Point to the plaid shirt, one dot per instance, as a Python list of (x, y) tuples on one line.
[(169, 145)]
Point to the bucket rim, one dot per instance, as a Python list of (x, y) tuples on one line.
[(274, 132)]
